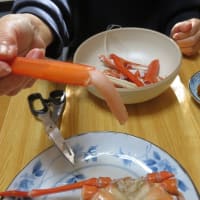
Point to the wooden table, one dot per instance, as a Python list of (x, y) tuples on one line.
[(171, 121)]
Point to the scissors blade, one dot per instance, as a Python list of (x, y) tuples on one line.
[(61, 144)]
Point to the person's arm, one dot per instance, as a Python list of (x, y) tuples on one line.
[(56, 14)]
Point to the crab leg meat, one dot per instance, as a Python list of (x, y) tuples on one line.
[(155, 186), (75, 74), (97, 182)]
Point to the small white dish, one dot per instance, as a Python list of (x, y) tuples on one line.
[(98, 154)]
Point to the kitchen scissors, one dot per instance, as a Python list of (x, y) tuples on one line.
[(49, 112)]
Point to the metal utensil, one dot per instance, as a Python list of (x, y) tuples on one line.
[(49, 112)]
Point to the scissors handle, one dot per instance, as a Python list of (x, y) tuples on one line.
[(57, 97), (43, 107)]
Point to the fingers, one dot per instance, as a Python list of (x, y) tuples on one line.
[(7, 51), (181, 35), (12, 84), (36, 53), (8, 42), (4, 69), (17, 37), (190, 51), (187, 35), (181, 30), (26, 83), (189, 46)]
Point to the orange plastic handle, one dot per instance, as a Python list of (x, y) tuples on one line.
[(52, 70)]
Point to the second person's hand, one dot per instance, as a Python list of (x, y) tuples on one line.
[(187, 36)]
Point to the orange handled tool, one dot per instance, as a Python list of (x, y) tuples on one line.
[(52, 70)]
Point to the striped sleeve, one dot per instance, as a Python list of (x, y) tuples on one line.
[(56, 14)]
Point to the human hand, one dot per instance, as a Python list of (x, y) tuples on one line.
[(11, 84), (187, 35), (23, 35)]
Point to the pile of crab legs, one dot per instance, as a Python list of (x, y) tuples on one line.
[(154, 186)]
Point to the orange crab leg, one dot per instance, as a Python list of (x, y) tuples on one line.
[(98, 182), (160, 184), (90, 187), (170, 185), (14, 193), (166, 179), (157, 177), (120, 66), (153, 72), (52, 70), (126, 62)]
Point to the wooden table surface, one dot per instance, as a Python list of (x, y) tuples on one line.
[(171, 121)]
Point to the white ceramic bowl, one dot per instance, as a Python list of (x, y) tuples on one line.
[(137, 44)]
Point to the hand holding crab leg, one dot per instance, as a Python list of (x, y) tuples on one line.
[(75, 74)]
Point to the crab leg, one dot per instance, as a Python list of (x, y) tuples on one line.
[(120, 66), (152, 72), (52, 70), (157, 177), (75, 74), (156, 185), (97, 182)]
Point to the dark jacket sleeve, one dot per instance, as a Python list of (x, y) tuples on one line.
[(56, 14), (73, 21)]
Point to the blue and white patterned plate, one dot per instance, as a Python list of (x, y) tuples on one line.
[(100, 154), (193, 85)]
